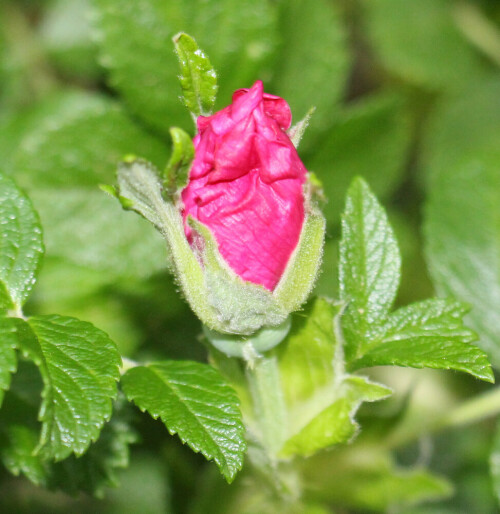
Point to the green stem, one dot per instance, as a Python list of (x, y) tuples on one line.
[(477, 409), (271, 423), (269, 404)]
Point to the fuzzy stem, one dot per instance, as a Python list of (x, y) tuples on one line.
[(269, 404)]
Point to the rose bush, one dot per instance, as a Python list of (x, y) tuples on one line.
[(246, 185)]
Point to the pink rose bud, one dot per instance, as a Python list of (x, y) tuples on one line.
[(246, 185)]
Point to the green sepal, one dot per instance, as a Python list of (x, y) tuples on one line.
[(176, 171), (242, 306), (139, 182), (198, 78), (296, 132), (302, 269)]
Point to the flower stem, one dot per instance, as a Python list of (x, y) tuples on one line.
[(269, 404)]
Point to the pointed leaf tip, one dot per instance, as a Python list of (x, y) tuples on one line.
[(198, 78), (195, 402)]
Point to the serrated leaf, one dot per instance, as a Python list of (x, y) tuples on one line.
[(98, 468), (8, 359), (79, 365), (143, 65), (195, 402), (463, 207), (336, 423), (19, 428), (21, 245), (314, 54), (19, 457), (369, 267), (176, 172), (321, 398), (198, 78), (428, 334), (369, 138), (19, 438)]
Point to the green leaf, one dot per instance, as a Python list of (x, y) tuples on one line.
[(98, 468), (314, 325), (198, 78), (19, 437), (78, 143), (63, 153), (428, 334), (462, 214), (194, 401), (176, 172), (369, 267), (336, 423), (313, 64), (19, 457), (365, 477), (79, 365), (19, 427), (239, 37), (421, 42), (21, 246), (369, 138), (8, 359), (88, 229), (321, 398)]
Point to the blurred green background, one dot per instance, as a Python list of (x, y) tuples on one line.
[(407, 94)]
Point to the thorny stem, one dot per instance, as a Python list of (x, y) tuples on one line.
[(474, 410)]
